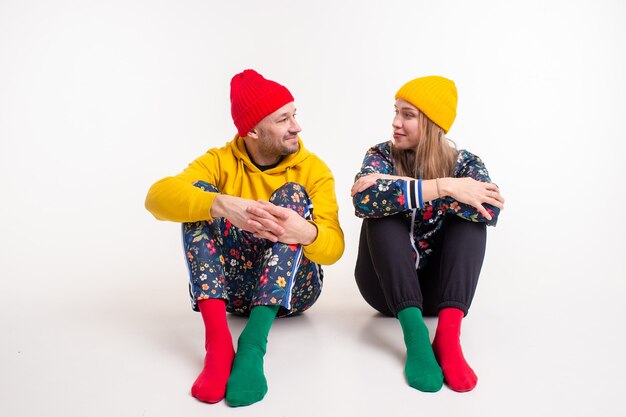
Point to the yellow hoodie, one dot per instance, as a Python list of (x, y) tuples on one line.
[(230, 169)]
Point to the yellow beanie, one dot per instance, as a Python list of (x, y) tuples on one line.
[(434, 96)]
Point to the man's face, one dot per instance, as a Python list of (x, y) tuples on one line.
[(277, 135)]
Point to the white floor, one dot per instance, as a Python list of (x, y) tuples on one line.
[(134, 350)]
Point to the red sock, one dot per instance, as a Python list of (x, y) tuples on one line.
[(447, 347), (210, 386)]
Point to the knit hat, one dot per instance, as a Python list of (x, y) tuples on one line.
[(434, 96), (252, 97)]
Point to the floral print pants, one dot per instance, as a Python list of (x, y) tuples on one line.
[(230, 263)]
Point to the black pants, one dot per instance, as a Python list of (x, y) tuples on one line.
[(385, 269)]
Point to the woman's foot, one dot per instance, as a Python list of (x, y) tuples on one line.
[(459, 376), (421, 369)]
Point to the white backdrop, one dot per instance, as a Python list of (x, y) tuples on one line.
[(98, 100)]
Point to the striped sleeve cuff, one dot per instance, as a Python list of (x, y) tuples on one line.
[(413, 194)]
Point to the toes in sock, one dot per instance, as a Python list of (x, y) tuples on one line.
[(210, 386), (247, 384)]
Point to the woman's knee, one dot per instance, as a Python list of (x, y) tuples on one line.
[(396, 225), (464, 229)]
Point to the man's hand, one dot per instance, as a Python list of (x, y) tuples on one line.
[(235, 209), (280, 224)]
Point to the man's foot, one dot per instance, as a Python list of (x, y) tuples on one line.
[(247, 384), (210, 386)]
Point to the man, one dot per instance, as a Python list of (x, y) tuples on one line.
[(259, 216)]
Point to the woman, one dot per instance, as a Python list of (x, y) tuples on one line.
[(425, 206)]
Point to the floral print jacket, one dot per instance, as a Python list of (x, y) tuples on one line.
[(389, 197)]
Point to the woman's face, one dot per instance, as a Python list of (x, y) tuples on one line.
[(405, 125)]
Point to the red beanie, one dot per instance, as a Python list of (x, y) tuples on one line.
[(252, 97)]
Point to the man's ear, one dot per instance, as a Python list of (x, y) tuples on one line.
[(253, 133)]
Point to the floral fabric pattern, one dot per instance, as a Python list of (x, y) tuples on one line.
[(388, 197), (229, 263)]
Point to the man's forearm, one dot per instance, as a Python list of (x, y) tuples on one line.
[(219, 208), (310, 234)]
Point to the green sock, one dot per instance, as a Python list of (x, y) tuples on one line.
[(422, 371), (247, 383)]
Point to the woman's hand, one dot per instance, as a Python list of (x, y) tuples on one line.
[(475, 193), (367, 181)]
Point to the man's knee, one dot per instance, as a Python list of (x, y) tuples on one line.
[(294, 196), (289, 189)]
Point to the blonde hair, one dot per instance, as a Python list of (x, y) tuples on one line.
[(434, 156)]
